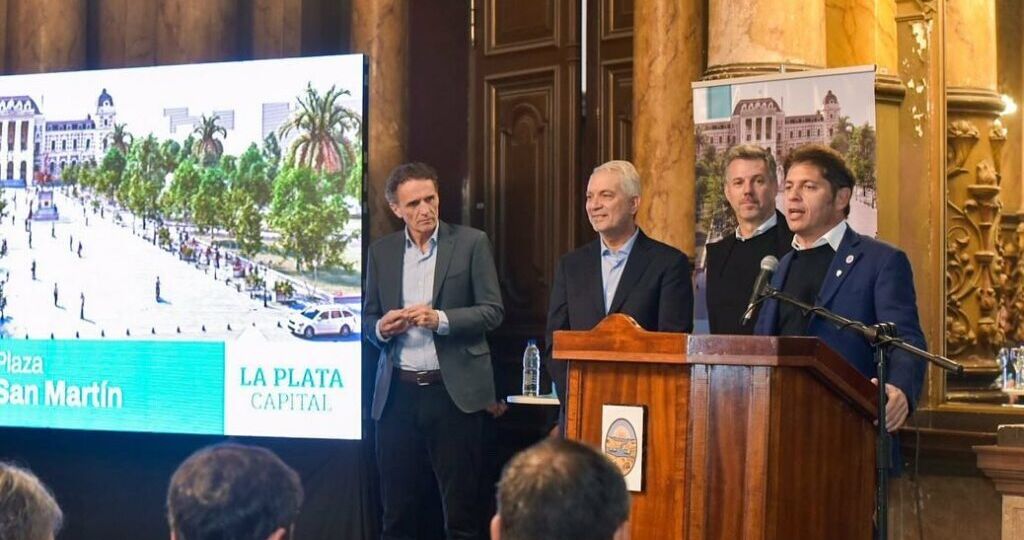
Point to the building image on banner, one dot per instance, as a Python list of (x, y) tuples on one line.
[(779, 113)]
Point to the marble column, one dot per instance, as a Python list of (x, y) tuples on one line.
[(379, 30), (1010, 54), (979, 284), (197, 31), (922, 175), (750, 37), (276, 28), (126, 33), (667, 57), (863, 32), (44, 35)]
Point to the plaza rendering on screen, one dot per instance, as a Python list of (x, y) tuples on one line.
[(181, 248)]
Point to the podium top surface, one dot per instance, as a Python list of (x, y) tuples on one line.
[(618, 338)]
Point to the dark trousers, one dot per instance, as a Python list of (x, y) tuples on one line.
[(423, 420)]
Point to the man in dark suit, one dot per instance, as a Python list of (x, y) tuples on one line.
[(734, 261), (855, 276), (623, 271), (431, 296)]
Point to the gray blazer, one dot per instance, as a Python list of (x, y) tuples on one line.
[(465, 288)]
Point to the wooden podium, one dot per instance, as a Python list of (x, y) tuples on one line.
[(745, 437)]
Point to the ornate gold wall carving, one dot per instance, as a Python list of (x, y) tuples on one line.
[(983, 272)]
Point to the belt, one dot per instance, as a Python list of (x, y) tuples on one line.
[(419, 378)]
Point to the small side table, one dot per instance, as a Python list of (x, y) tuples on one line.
[(1004, 464), (549, 400), (1015, 394)]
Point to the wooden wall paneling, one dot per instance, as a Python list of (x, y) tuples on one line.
[(608, 113), (617, 104), (522, 26), (45, 35), (519, 116), (438, 94), (122, 33), (524, 119), (199, 31), (277, 28), (327, 26), (3, 36)]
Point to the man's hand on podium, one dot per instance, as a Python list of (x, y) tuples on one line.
[(896, 408)]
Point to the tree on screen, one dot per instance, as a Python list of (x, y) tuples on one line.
[(322, 125), (120, 138), (208, 147), (310, 216), (207, 208)]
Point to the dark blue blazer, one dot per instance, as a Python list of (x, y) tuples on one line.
[(868, 281)]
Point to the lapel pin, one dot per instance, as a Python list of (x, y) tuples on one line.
[(849, 259), (839, 273)]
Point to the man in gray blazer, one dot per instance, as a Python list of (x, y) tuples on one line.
[(431, 296)]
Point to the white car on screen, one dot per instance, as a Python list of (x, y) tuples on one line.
[(322, 320)]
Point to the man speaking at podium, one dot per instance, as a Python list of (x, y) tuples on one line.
[(852, 275), (623, 271)]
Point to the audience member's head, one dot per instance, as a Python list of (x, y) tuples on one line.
[(232, 491), (28, 510), (561, 489)]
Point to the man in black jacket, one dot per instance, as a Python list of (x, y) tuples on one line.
[(623, 271), (734, 261)]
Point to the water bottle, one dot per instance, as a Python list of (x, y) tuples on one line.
[(1003, 358), (1010, 373), (531, 369)]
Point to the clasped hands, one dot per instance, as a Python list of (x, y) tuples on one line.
[(398, 321)]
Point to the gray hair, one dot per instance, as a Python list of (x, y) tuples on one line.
[(753, 153), (629, 179), (28, 510)]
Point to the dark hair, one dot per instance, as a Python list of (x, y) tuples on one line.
[(561, 489), (28, 510), (830, 162), (232, 491), (405, 172)]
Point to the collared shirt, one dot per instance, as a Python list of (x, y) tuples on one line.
[(761, 229), (612, 265), (833, 238), (415, 348)]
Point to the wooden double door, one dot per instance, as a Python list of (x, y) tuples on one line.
[(542, 115)]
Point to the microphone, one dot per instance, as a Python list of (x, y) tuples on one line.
[(768, 266)]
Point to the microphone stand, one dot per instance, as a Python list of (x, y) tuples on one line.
[(882, 336)]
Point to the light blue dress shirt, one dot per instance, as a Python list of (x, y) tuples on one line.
[(612, 265), (414, 349)]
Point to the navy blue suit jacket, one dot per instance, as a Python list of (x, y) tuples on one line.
[(868, 281), (655, 290)]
